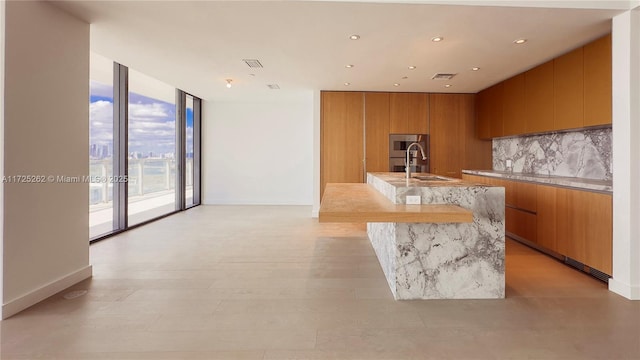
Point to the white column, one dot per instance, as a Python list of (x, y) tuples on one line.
[(2, 4), (626, 155), (316, 154)]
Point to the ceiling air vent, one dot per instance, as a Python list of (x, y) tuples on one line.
[(441, 76), (252, 63), (273, 86)]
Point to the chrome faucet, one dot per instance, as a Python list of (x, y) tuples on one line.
[(408, 161)]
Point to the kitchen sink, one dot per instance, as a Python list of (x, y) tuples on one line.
[(430, 178)]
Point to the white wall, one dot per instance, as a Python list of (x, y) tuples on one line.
[(258, 151), (2, 12), (46, 132), (626, 154)]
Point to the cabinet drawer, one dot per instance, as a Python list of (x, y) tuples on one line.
[(521, 223)]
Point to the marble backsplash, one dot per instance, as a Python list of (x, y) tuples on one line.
[(584, 154)]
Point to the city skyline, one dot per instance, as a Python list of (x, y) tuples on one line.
[(151, 124)]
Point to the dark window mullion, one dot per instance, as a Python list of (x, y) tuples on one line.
[(197, 122), (180, 149), (120, 145)]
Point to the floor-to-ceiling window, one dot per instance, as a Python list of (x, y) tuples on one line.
[(100, 146), (145, 143), (189, 173), (152, 148)]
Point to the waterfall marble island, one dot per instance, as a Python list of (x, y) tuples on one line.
[(449, 247)]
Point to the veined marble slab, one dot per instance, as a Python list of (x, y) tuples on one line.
[(442, 261), (605, 186)]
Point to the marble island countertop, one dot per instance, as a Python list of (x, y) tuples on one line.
[(462, 260), (605, 186)]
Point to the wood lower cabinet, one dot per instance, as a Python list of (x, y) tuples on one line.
[(341, 138), (574, 223), (584, 222), (521, 223), (546, 217), (377, 131)]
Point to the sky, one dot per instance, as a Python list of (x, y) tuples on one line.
[(151, 121)]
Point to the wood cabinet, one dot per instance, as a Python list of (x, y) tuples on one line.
[(490, 117), (597, 82), (574, 223), (377, 131), (546, 217), (483, 115), (409, 113), (513, 111), (538, 85), (584, 221), (568, 90), (341, 137), (453, 145)]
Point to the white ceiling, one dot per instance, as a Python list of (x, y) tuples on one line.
[(196, 45)]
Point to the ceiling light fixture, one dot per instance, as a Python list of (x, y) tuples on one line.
[(349, 66), (347, 84), (447, 85), (354, 37), (229, 83), (411, 67), (520, 41), (396, 84), (437, 39), (475, 68)]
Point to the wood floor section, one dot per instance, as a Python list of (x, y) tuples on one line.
[(260, 282)]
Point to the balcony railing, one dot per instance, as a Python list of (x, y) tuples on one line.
[(146, 177)]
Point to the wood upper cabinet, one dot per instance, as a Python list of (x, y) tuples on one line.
[(447, 141), (513, 111), (568, 90), (376, 113), (496, 99), (538, 84), (409, 113), (483, 116), (597, 82), (341, 138), (490, 119)]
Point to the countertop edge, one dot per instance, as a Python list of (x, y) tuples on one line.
[(572, 183)]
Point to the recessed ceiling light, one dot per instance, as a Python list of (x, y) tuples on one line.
[(412, 67), (349, 66), (475, 68), (396, 84), (448, 86), (347, 84), (520, 41), (229, 83), (437, 39), (354, 37)]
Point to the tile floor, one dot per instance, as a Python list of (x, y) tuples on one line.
[(259, 282)]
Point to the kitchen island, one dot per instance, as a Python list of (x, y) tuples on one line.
[(441, 260)]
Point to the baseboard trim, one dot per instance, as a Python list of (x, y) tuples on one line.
[(626, 290), (25, 301), (315, 212)]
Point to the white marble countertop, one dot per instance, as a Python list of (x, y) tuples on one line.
[(605, 186), (399, 180)]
